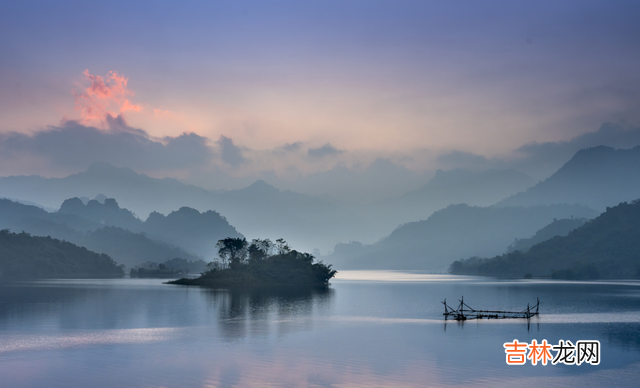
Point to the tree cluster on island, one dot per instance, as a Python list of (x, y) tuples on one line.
[(261, 263)]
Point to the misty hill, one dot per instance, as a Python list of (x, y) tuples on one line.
[(556, 228), (131, 248), (451, 233), (188, 228), (18, 217), (263, 210), (605, 247), (124, 246), (445, 188), (596, 177), (102, 178), (453, 187), (259, 209), (26, 256), (106, 213), (357, 184), (473, 188)]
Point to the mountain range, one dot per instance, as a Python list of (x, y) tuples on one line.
[(587, 184), (597, 177), (452, 233), (605, 247), (261, 210), (107, 228), (560, 227), (430, 231)]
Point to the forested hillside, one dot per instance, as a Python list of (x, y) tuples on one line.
[(605, 247), (26, 256)]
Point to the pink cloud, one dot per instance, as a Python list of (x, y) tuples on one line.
[(105, 96)]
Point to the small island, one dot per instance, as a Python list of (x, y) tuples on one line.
[(261, 263)]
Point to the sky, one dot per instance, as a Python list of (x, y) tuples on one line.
[(231, 91)]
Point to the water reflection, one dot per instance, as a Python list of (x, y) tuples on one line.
[(59, 306), (529, 323), (360, 332), (261, 311)]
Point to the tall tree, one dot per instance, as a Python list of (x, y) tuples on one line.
[(232, 250), (259, 249), (282, 246)]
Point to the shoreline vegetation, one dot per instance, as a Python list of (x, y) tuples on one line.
[(261, 263), (170, 269), (160, 272)]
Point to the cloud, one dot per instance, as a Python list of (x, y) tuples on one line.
[(292, 147), (540, 160), (73, 146), (325, 150), (108, 96), (230, 153)]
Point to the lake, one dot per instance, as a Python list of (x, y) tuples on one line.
[(370, 328)]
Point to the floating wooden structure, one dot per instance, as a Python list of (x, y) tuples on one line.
[(465, 312)]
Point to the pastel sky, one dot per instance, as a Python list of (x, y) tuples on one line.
[(338, 82)]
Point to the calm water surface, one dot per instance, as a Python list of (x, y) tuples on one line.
[(370, 328)]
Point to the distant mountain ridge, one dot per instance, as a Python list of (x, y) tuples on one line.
[(107, 228), (106, 213), (596, 177), (187, 228), (259, 209), (556, 228), (193, 231), (451, 233), (605, 247), (473, 188)]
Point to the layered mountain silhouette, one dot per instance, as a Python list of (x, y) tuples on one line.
[(188, 228), (457, 186), (107, 212), (593, 179), (596, 177), (605, 247), (107, 228), (454, 232), (473, 188), (556, 228), (258, 210)]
